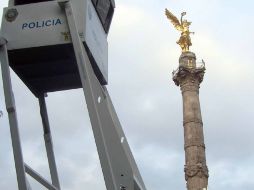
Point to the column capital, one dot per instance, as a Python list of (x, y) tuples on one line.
[(189, 72)]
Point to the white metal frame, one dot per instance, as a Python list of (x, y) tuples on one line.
[(118, 165)]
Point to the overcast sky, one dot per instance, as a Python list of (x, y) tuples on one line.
[(142, 55)]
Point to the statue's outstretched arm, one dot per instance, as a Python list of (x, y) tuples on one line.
[(182, 15)]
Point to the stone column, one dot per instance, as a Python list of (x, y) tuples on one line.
[(188, 77)]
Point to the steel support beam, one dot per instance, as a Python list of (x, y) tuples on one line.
[(118, 165), (48, 142), (39, 178), (138, 184), (11, 109), (11, 3)]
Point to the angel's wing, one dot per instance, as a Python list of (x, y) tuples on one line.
[(173, 19)]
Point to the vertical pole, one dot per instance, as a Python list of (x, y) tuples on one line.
[(48, 142), (189, 78), (11, 109), (11, 3), (196, 172)]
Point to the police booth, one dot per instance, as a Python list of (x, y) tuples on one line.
[(59, 45), (39, 42)]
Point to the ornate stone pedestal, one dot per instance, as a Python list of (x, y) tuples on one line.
[(189, 76)]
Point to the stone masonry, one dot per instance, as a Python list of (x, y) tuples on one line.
[(189, 76)]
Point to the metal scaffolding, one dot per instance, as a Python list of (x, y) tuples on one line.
[(118, 165)]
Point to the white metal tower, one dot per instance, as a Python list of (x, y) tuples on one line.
[(56, 45)]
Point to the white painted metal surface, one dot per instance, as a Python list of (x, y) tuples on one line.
[(44, 24), (117, 162)]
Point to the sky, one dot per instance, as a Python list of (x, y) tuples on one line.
[(142, 56)]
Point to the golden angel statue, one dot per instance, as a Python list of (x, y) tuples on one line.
[(183, 26)]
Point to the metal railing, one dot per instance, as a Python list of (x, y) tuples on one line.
[(200, 64)]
